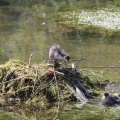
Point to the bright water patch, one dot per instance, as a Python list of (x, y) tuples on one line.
[(107, 18), (104, 18)]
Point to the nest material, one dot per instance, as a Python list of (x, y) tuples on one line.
[(21, 81)]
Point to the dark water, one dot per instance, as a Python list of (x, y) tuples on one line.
[(25, 25)]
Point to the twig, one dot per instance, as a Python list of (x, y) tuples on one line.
[(76, 64), (30, 59), (38, 53), (8, 81), (74, 60), (84, 90), (8, 74), (36, 78), (56, 72), (58, 107), (38, 90), (100, 67)]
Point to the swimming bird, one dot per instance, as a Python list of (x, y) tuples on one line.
[(57, 53), (111, 99)]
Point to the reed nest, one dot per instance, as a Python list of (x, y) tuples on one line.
[(20, 81)]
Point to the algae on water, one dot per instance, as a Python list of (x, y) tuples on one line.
[(101, 20)]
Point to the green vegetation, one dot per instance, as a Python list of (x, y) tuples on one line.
[(92, 113), (21, 81), (92, 21), (101, 75), (7, 116), (35, 84)]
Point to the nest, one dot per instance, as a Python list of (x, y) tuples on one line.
[(21, 81)]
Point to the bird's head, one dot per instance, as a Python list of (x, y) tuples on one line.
[(106, 94), (66, 58)]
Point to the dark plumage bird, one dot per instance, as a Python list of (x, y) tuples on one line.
[(57, 53), (111, 98)]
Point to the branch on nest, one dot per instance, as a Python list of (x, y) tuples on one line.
[(82, 90)]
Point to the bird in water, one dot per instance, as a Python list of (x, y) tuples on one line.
[(111, 99), (57, 53)]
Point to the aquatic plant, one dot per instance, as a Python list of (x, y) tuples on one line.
[(101, 20)]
